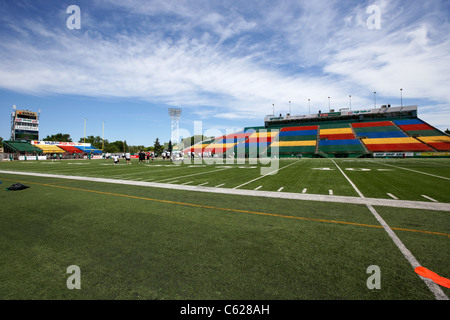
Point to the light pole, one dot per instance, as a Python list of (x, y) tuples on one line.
[(401, 97), (84, 140), (374, 99), (273, 105), (289, 108), (329, 104), (309, 103), (350, 98)]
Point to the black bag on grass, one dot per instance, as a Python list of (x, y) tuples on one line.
[(17, 186)]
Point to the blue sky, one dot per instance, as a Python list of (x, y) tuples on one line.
[(225, 63)]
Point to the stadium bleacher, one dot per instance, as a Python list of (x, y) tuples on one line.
[(20, 147), (50, 148)]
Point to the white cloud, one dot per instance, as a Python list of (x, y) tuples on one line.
[(236, 61)]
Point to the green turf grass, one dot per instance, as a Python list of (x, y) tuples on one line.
[(135, 248)]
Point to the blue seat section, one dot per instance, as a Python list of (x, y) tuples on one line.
[(339, 142), (89, 149), (383, 134), (298, 133), (407, 121)]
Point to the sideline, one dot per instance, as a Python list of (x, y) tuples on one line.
[(423, 205)]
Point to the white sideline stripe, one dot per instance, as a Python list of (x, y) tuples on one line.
[(392, 196), (428, 174), (280, 189), (423, 205), (304, 190), (434, 288), (429, 198), (278, 169)]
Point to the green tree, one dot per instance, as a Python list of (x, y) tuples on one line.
[(170, 146), (1, 142), (157, 148), (96, 142), (447, 131), (60, 137)]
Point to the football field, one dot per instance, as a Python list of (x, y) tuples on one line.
[(291, 229)]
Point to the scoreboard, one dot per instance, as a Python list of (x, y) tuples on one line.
[(24, 125)]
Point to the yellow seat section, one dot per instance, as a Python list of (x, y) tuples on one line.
[(390, 140), (434, 139), (335, 131), (263, 135), (50, 149), (293, 143)]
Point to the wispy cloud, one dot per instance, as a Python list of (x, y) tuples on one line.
[(236, 58)]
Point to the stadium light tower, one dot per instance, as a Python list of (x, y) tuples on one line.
[(175, 114)]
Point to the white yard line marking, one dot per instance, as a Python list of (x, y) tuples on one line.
[(202, 184), (392, 196), (330, 192), (304, 190), (280, 189), (434, 288), (257, 188), (429, 198), (428, 174), (264, 175), (194, 174), (219, 185), (188, 182), (424, 205)]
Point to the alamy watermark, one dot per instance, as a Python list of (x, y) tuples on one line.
[(374, 280), (374, 20), (74, 20), (74, 281), (248, 146)]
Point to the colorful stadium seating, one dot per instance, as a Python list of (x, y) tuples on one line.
[(395, 145), (416, 127), (296, 140), (440, 143), (339, 139), (50, 148), (344, 138)]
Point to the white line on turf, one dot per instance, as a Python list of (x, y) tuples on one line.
[(425, 205), (428, 174), (202, 184), (304, 190), (219, 185), (392, 196), (264, 175), (280, 189), (257, 188), (194, 174), (330, 192), (434, 288), (429, 198)]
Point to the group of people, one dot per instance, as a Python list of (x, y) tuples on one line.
[(144, 157)]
